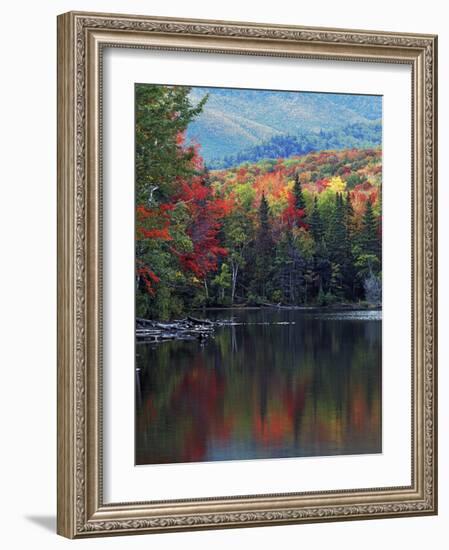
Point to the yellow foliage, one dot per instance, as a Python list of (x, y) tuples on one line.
[(337, 185), (284, 193)]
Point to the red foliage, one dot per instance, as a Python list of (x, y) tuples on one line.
[(242, 175), (194, 190), (153, 223), (161, 234), (205, 213), (321, 185), (180, 139), (144, 213), (148, 277), (292, 216)]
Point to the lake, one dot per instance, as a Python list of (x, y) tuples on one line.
[(278, 383)]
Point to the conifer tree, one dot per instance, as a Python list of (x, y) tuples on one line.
[(289, 268), (263, 250), (316, 223), (337, 246), (322, 266), (337, 239), (298, 194), (350, 231), (349, 218), (368, 236)]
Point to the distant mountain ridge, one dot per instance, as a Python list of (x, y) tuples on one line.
[(235, 121), (354, 136)]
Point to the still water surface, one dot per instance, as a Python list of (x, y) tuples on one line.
[(281, 383)]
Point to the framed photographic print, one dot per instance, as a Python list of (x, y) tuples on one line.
[(247, 274)]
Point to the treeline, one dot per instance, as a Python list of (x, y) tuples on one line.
[(296, 231), (317, 251), (360, 136)]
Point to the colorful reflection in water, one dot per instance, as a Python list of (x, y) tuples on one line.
[(263, 389)]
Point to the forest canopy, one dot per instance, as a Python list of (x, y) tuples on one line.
[(299, 229)]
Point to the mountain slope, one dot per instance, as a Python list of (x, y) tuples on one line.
[(234, 119), (355, 136)]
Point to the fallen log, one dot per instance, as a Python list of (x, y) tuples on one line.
[(183, 329), (144, 322), (268, 304), (197, 321)]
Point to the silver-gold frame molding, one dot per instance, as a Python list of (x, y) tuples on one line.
[(81, 39)]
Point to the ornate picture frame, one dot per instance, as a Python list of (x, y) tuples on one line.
[(82, 38)]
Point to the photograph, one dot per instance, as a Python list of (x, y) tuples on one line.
[(258, 274)]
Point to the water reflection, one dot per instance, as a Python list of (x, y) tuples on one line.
[(282, 383)]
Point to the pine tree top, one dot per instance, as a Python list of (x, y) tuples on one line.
[(298, 194)]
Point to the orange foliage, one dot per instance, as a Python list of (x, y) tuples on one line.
[(361, 194), (271, 184)]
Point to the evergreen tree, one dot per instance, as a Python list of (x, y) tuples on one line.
[(289, 269), (336, 282), (349, 218), (322, 266), (337, 246), (263, 249), (283, 266), (337, 236), (298, 194), (350, 232), (369, 239), (316, 223)]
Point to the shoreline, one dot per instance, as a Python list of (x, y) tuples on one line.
[(333, 307), (196, 328)]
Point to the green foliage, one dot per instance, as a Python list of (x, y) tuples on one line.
[(263, 249), (326, 298), (369, 239), (365, 264), (353, 180), (222, 282), (316, 223), (298, 194), (162, 115), (162, 162), (301, 230)]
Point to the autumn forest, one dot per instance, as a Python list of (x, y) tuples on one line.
[(299, 230)]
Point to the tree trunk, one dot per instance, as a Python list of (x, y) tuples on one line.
[(235, 271)]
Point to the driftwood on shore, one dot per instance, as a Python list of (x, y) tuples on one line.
[(189, 328), (193, 328)]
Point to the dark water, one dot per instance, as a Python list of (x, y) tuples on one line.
[(263, 389)]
